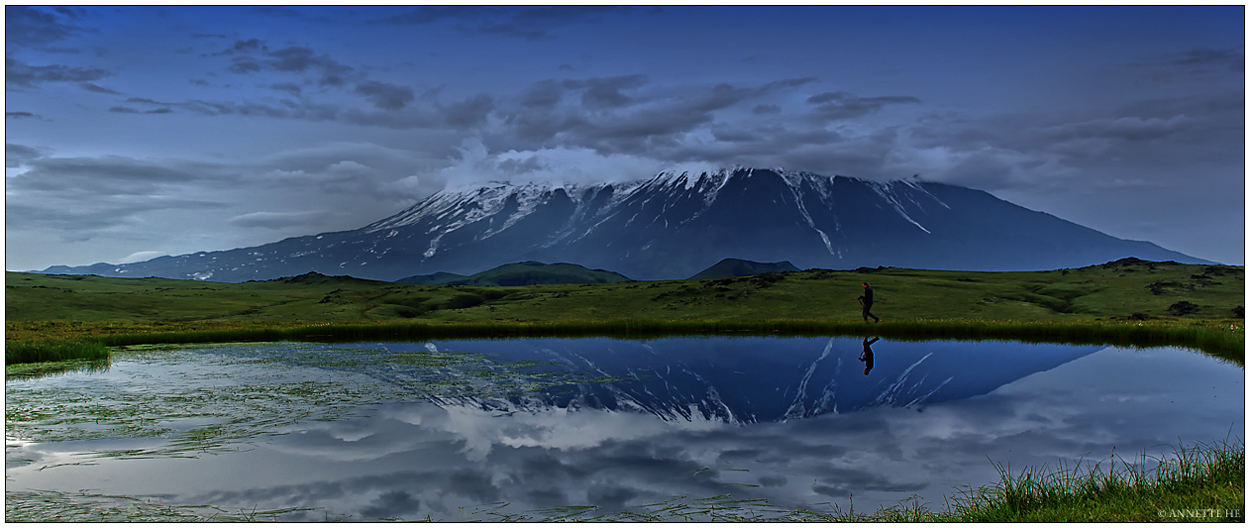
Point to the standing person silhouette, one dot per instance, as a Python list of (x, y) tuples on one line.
[(866, 300), (866, 357)]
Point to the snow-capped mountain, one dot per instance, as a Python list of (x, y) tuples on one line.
[(672, 226), (754, 379)]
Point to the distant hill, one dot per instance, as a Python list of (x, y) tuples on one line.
[(525, 274), (441, 277), (732, 267), (314, 278)]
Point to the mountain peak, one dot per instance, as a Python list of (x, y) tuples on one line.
[(677, 223)]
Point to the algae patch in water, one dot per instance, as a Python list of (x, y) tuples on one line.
[(42, 506), (203, 398)]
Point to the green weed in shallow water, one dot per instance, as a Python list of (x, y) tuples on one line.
[(53, 350), (219, 396), (45, 506)]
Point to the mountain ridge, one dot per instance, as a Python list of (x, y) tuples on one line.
[(674, 225)]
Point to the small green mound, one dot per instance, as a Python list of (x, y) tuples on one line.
[(732, 267)]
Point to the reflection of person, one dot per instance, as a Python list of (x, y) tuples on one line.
[(866, 357), (866, 300)]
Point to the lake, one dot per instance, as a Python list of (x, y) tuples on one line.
[(531, 428)]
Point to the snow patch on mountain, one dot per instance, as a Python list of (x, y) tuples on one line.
[(887, 192)]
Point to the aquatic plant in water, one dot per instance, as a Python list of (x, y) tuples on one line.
[(225, 394)]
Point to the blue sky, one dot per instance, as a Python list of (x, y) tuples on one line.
[(137, 131)]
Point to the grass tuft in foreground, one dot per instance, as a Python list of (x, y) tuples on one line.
[(1205, 482)]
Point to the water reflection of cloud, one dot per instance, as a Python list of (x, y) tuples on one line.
[(416, 459), (617, 460)]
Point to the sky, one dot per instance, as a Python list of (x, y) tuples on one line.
[(134, 132)]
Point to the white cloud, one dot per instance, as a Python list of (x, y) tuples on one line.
[(278, 220), (140, 256), (560, 165)]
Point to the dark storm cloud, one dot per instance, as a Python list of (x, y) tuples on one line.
[(112, 175), (30, 27), (385, 96), (18, 73), (527, 23), (394, 503), (430, 14), (1233, 59), (244, 65), (284, 109), (17, 155), (845, 105), (785, 83), (277, 11), (1198, 60), (392, 119), (300, 59), (253, 56), (99, 89), (247, 46), (841, 482), (1121, 128), (606, 92), (542, 95), (19, 115), (71, 12), (733, 135), (469, 112), (78, 223), (766, 109), (1176, 132), (83, 197), (124, 110), (287, 87), (623, 114)]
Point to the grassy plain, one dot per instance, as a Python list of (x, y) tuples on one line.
[(1127, 302)]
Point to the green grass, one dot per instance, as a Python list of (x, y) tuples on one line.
[(1113, 291), (54, 350), (1194, 484), (1127, 302)]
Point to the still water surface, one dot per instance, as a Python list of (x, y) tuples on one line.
[(457, 430)]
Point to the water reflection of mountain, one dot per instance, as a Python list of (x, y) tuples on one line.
[(757, 379)]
